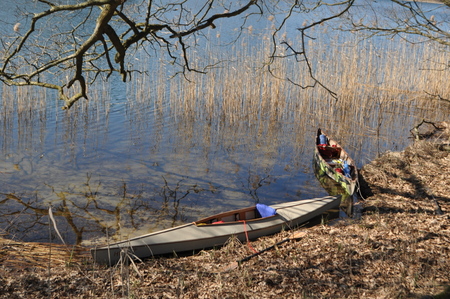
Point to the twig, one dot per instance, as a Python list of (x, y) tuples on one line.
[(234, 265), (49, 255), (50, 215), (416, 133), (437, 207)]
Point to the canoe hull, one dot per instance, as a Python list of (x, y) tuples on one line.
[(324, 167), (191, 237)]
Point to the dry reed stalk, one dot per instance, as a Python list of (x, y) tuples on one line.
[(373, 91), (26, 254)]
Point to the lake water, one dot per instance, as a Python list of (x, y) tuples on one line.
[(158, 152)]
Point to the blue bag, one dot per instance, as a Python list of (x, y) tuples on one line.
[(347, 170), (265, 211)]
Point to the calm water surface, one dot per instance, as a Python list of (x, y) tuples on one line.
[(133, 160)]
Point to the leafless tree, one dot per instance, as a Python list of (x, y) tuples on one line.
[(66, 45), (409, 20), (84, 39)]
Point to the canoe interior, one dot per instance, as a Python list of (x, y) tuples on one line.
[(329, 152), (334, 157), (245, 214)]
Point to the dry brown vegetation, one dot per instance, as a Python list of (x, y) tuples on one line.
[(398, 249)]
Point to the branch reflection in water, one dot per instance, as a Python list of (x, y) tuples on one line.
[(26, 218)]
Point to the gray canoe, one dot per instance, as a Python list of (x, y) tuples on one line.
[(216, 230)]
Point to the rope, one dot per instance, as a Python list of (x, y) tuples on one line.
[(246, 236), (358, 189)]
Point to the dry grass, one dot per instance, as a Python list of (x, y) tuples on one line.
[(22, 255), (383, 76)]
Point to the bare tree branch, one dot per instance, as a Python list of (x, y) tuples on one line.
[(413, 22), (69, 57), (210, 21), (28, 59), (301, 54)]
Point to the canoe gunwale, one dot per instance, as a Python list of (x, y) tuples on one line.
[(202, 224)]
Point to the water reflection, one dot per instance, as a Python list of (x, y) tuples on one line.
[(334, 188), (82, 215)]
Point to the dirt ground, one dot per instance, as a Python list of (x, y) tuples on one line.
[(399, 248)]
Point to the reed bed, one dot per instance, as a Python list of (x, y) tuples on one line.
[(379, 84), (376, 82)]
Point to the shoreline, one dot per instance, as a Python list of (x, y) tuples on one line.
[(398, 249)]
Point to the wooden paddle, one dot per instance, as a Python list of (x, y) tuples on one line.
[(295, 236)]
